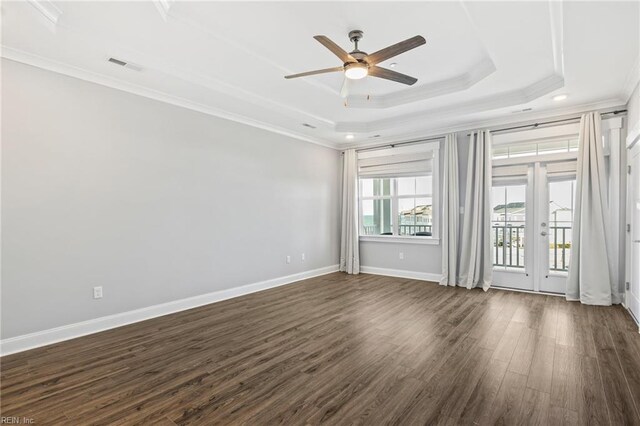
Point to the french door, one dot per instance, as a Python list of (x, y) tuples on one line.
[(633, 287), (532, 213)]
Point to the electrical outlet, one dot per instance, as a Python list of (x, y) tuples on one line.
[(97, 292), (401, 256), (288, 259), (303, 257)]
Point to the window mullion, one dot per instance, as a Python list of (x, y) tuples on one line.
[(394, 207)]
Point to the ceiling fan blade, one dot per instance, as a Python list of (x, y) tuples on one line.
[(391, 75), (337, 50), (304, 74), (394, 50)]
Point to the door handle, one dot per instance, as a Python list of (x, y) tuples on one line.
[(544, 234)]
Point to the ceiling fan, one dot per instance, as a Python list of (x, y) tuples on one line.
[(358, 64)]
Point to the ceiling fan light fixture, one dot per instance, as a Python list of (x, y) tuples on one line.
[(356, 70)]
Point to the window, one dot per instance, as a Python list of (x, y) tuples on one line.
[(397, 193), (526, 149)]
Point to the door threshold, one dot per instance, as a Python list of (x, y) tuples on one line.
[(519, 290)]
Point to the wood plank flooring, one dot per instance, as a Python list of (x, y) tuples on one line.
[(342, 349)]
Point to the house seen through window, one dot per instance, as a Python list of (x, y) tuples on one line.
[(397, 206)]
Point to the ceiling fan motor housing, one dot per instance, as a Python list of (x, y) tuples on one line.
[(358, 54), (355, 35)]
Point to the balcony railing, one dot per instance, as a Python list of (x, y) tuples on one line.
[(561, 248), (508, 243), (419, 230), (509, 246), (424, 230)]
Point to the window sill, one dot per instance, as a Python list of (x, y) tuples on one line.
[(400, 239)]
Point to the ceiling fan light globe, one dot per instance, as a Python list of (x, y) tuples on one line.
[(356, 71)]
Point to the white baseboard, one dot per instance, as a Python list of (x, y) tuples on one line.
[(424, 276), (633, 317), (71, 331)]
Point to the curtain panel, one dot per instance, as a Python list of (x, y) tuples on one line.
[(476, 263), (590, 275), (349, 244), (450, 212)]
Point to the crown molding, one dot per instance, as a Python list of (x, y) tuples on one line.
[(556, 16), (499, 100), (521, 96), (477, 73), (167, 12), (163, 7), (208, 31), (209, 82), (82, 74), (48, 11), (522, 119)]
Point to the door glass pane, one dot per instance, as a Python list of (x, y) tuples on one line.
[(573, 145), (561, 199), (522, 150), (376, 217), (508, 226), (553, 147)]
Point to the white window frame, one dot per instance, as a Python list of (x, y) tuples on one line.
[(434, 239)]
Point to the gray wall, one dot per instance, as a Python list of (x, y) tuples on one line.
[(151, 201), (417, 257)]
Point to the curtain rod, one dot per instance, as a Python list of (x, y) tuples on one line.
[(535, 125), (394, 144)]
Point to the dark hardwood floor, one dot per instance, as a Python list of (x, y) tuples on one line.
[(343, 349)]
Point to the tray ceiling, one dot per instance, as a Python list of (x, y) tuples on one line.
[(482, 61)]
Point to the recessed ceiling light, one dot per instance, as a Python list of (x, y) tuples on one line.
[(560, 97), (393, 64), (349, 136)]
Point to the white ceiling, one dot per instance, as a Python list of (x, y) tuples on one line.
[(483, 61)]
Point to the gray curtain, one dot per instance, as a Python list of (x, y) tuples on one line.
[(349, 244), (450, 212), (589, 278), (476, 263)]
